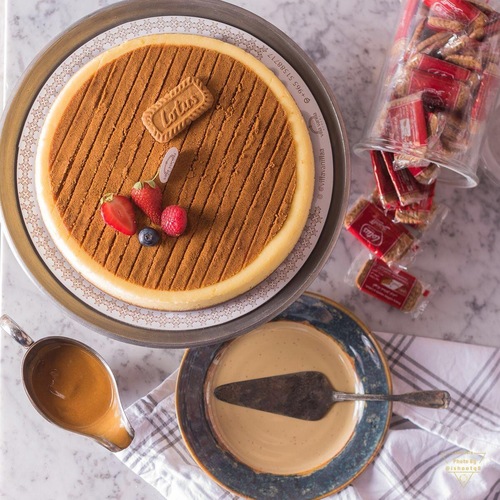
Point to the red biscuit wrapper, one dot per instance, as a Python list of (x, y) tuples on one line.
[(375, 199), (407, 122), (424, 175), (379, 234), (408, 189), (438, 91), (399, 289), (456, 10), (402, 160), (386, 192), (425, 62), (407, 20), (419, 213)]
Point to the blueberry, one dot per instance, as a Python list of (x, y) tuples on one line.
[(149, 237)]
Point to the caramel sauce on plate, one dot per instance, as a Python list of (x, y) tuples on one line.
[(74, 389), (272, 443)]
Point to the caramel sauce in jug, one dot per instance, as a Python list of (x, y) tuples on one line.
[(73, 388)]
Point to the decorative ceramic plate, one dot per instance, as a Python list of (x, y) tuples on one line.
[(324, 456), (31, 102)]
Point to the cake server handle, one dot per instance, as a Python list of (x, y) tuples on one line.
[(427, 399)]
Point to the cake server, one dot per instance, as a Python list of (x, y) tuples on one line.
[(309, 395)]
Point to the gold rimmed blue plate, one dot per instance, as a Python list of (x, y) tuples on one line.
[(252, 453)]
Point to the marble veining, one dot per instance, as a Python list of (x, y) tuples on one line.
[(460, 259)]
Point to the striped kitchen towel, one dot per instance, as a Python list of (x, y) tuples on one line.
[(427, 454)]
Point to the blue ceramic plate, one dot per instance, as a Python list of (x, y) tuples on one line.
[(372, 420)]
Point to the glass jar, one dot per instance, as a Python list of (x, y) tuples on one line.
[(438, 88)]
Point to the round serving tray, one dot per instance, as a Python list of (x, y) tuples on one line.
[(23, 110)]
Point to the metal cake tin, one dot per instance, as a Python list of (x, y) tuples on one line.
[(29, 86)]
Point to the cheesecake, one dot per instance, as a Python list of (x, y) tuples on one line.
[(244, 172)]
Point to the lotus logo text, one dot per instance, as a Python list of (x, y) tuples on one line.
[(371, 234)]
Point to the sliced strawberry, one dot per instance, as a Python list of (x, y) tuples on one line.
[(148, 197), (118, 212), (174, 220)]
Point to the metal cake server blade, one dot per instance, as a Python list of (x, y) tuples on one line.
[(309, 395)]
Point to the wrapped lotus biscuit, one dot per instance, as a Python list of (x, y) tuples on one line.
[(423, 215), (420, 214), (415, 10), (434, 65), (375, 199), (387, 194), (402, 160), (455, 135), (407, 124), (424, 175), (435, 97), (407, 188), (399, 289), (461, 11), (456, 44), (447, 25), (431, 43), (438, 91), (391, 242)]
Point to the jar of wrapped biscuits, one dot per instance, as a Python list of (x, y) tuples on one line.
[(438, 89)]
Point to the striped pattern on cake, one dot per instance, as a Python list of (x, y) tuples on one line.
[(236, 172)]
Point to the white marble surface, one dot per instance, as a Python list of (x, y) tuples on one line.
[(348, 41)]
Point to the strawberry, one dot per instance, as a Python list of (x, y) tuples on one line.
[(118, 212), (148, 197), (174, 220)]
